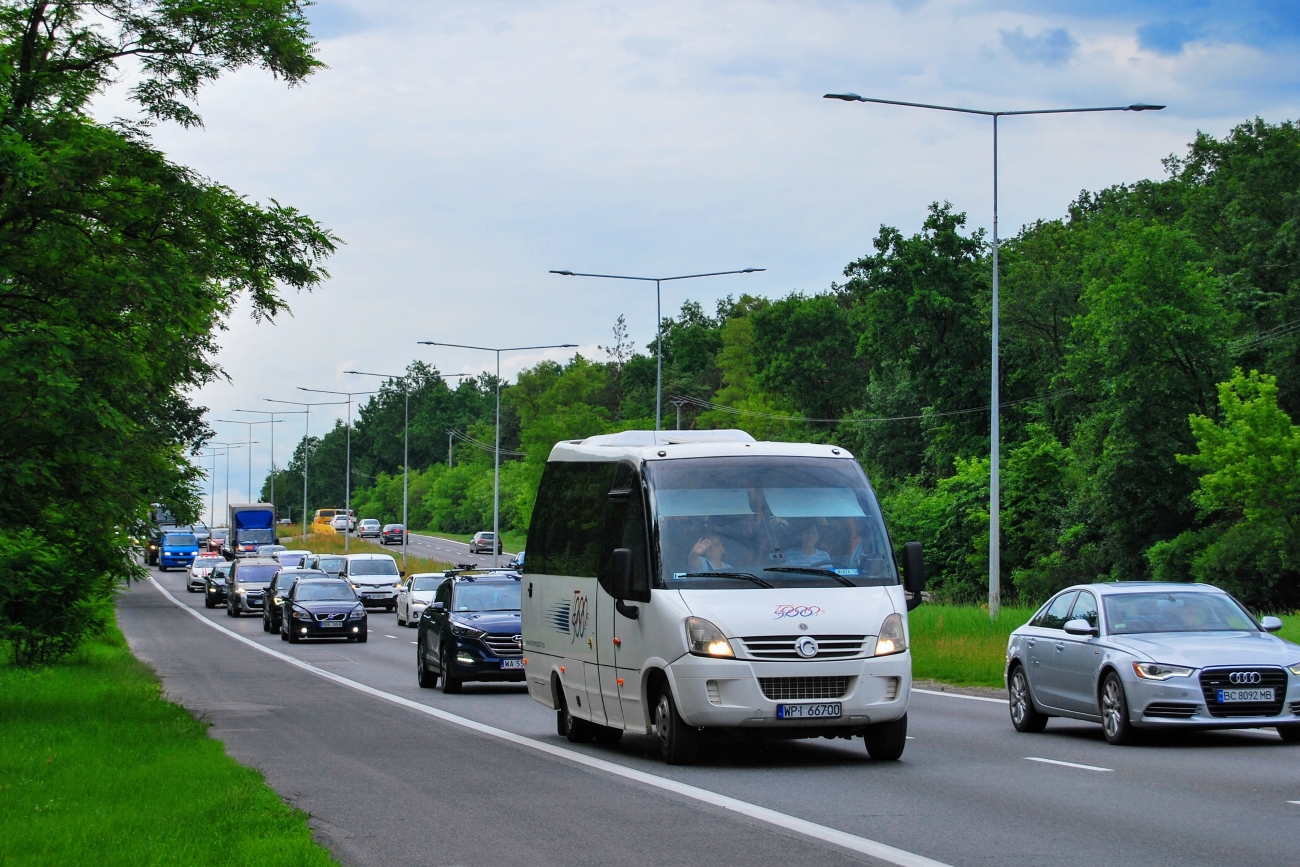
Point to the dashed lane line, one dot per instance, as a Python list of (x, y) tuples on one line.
[(1069, 764), (852, 842)]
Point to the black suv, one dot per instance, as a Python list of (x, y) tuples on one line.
[(278, 590), (471, 632)]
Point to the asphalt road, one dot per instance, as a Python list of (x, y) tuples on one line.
[(393, 774), (446, 550)]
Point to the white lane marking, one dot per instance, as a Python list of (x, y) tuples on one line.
[(1069, 764), (1294, 802), (852, 842), (390, 636), (415, 642), (959, 695)]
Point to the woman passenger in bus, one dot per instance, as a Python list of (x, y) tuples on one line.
[(807, 554)]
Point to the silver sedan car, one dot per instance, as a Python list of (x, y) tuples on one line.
[(1138, 655)]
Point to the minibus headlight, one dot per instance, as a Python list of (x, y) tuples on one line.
[(891, 638), (705, 639)]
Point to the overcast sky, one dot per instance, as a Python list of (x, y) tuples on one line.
[(463, 149)]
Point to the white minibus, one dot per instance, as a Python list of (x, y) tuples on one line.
[(698, 584)]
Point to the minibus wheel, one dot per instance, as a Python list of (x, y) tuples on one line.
[(679, 744), (885, 741)]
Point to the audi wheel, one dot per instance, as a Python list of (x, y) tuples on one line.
[(1115, 723), (1024, 716)]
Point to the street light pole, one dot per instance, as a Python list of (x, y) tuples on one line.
[(250, 447), (306, 435), (496, 470), (995, 432), (212, 497), (347, 482), (273, 414), (659, 320)]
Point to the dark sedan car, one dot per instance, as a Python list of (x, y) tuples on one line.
[(247, 585), (214, 588), (322, 608), (276, 592), (471, 632), (393, 534)]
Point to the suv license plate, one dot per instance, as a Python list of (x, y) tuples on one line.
[(512, 663), (1231, 695), (331, 625), (809, 711)]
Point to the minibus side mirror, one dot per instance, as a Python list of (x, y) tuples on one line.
[(913, 573), (620, 582)]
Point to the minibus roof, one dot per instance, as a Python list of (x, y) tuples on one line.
[(648, 445)]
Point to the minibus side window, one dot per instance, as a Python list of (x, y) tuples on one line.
[(568, 523), (625, 528)]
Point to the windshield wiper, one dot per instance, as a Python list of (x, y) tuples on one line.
[(809, 570), (744, 576)]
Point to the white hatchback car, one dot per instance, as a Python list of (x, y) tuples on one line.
[(415, 595), (199, 570)]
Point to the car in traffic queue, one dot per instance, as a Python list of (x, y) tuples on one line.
[(277, 590), (375, 578), (342, 522), (516, 562), (292, 559), (246, 586), (271, 550), (331, 564), (322, 608), (392, 534), (481, 543), (177, 549), (1135, 656), (415, 594), (216, 584), (369, 527), (199, 569), (217, 539), (471, 632)]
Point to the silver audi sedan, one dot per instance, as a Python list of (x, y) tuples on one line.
[(1138, 655)]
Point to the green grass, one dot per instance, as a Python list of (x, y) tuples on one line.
[(513, 540), (1291, 627), (96, 768), (959, 644)]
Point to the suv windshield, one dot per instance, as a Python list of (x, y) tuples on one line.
[(180, 540), (496, 596), (324, 591), (768, 521), (1134, 613), (257, 574), (381, 566)]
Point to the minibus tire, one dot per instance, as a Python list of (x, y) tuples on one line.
[(885, 741), (679, 744)]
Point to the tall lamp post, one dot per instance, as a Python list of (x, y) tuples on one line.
[(273, 413), (659, 320), (212, 501), (305, 434), (347, 482), (995, 434), (496, 471), (250, 446)]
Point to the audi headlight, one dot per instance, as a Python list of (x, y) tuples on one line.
[(1157, 671), (705, 639), (1294, 669), (892, 638), (462, 631), (357, 613)]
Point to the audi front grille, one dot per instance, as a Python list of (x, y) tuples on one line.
[(783, 646), (792, 688), (1215, 679)]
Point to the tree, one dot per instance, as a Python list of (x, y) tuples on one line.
[(117, 267)]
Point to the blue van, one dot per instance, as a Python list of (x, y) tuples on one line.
[(177, 549)]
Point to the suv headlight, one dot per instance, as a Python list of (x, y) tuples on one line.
[(1157, 671), (300, 614), (892, 638), (462, 631), (705, 639)]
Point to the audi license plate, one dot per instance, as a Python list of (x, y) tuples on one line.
[(828, 710), (1231, 695), (331, 625), (512, 663)]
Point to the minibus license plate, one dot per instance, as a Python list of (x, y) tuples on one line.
[(809, 711), (512, 663)]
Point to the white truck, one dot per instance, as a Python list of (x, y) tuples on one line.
[(701, 584)]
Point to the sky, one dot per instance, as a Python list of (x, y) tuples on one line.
[(462, 150)]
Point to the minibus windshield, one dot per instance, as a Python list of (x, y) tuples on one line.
[(745, 522)]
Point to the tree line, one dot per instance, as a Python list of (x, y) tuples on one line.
[(1150, 370)]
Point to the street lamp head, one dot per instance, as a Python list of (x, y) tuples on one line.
[(1142, 106), (752, 270), (847, 97), (564, 273)]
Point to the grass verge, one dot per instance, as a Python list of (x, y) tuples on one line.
[(332, 543), (96, 768), (959, 644)]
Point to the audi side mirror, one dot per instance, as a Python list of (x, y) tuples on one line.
[(1079, 627), (1271, 624)]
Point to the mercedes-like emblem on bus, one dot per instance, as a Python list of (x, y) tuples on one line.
[(806, 646)]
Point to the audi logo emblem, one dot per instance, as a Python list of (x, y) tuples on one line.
[(1245, 677)]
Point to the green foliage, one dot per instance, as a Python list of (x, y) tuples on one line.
[(117, 268), (960, 644)]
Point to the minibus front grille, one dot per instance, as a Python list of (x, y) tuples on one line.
[(783, 646), (794, 688)]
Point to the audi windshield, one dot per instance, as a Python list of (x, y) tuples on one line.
[(768, 522), (1137, 613)]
